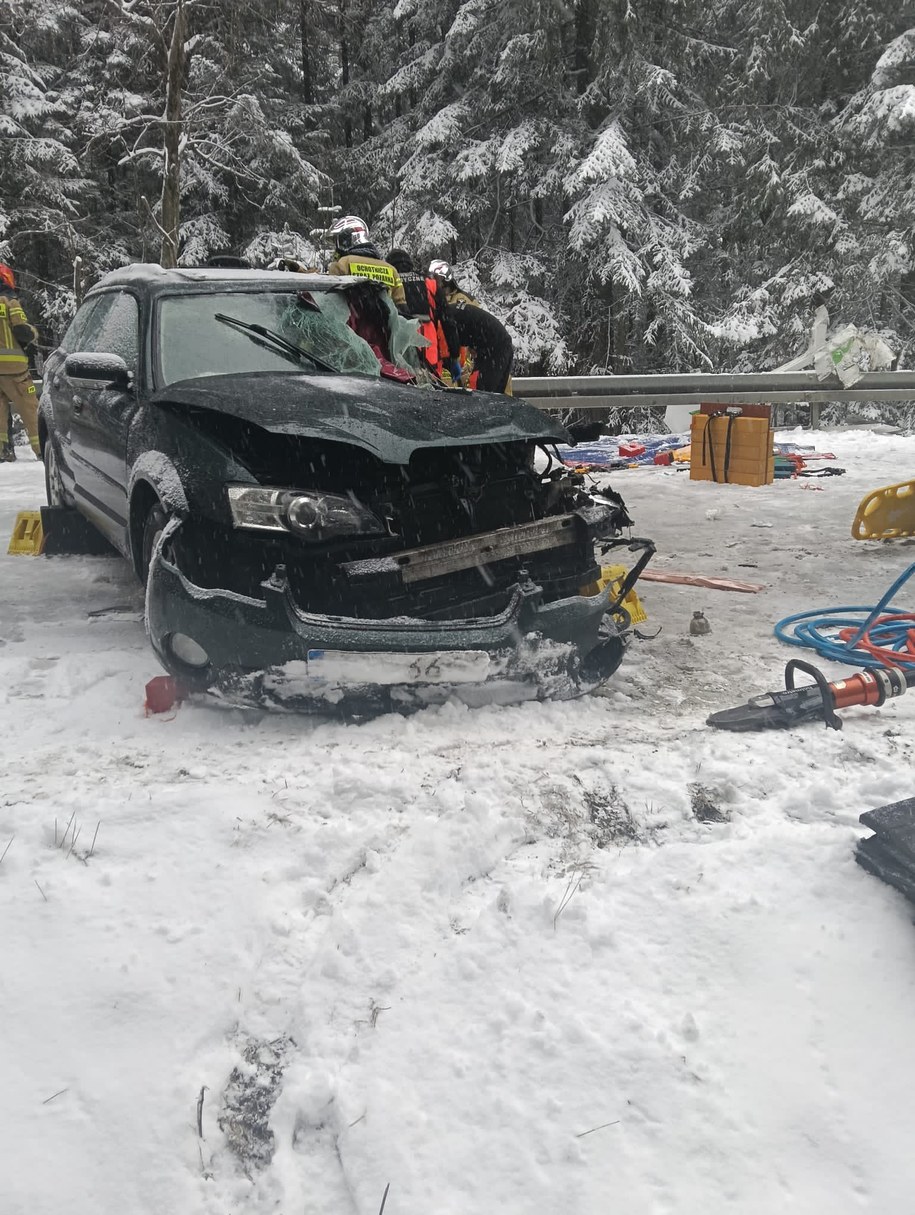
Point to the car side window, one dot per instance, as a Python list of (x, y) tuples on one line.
[(119, 332), (80, 325), (87, 334)]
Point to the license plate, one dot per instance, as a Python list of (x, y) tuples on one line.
[(445, 666)]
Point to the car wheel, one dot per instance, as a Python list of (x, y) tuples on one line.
[(54, 488), (153, 527)]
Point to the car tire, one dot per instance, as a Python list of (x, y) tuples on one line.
[(153, 525), (54, 488)]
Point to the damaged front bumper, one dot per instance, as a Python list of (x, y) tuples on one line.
[(270, 649)]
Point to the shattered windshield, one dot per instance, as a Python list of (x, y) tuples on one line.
[(193, 342)]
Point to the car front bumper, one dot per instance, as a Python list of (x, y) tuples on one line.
[(543, 645)]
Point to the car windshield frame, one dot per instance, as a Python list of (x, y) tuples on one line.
[(224, 297)]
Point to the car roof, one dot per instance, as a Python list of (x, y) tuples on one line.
[(153, 278)]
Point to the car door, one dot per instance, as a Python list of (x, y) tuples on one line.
[(101, 417), (57, 390)]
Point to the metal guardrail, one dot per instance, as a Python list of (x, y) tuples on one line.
[(598, 393), (595, 393)]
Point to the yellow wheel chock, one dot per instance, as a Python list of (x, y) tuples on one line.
[(614, 575), (28, 535), (886, 514)]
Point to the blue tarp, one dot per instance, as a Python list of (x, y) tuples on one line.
[(605, 452)]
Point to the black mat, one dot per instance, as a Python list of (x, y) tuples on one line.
[(890, 852), (67, 533)]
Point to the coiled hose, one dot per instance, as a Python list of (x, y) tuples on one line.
[(879, 636)]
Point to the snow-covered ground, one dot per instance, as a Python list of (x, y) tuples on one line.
[(490, 957)]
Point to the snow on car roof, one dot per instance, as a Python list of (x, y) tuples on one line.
[(152, 272)]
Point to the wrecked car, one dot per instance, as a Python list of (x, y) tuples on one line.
[(310, 518)]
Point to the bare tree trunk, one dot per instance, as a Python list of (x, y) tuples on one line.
[(602, 336), (585, 20), (171, 176), (308, 84), (622, 359), (344, 74)]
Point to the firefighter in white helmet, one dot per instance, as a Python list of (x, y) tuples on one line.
[(356, 255), (478, 331)]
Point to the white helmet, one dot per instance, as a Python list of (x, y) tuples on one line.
[(442, 270), (348, 232)]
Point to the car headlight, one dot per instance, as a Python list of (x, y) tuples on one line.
[(309, 513)]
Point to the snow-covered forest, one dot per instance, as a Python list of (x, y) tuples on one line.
[(631, 184)]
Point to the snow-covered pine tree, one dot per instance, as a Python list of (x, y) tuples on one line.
[(633, 184), (784, 232), (40, 178), (478, 93), (635, 203), (879, 124)]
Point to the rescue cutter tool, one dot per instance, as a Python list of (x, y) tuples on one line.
[(815, 701)]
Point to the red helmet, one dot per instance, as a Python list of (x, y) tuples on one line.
[(7, 276)]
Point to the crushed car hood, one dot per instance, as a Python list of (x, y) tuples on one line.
[(389, 420)]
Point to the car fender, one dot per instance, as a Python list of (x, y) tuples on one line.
[(159, 471)]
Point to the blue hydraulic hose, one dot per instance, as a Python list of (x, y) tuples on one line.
[(818, 630)]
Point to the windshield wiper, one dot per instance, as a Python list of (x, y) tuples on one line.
[(281, 344)]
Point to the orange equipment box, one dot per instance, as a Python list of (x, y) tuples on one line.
[(733, 448), (746, 411)]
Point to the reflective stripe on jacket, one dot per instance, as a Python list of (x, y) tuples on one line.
[(12, 323), (361, 266)]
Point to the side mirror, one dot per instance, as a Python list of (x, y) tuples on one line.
[(100, 368)]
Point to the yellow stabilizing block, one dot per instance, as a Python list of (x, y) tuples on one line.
[(886, 514), (614, 574), (28, 534)]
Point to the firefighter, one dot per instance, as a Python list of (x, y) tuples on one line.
[(16, 388), (7, 450), (425, 303), (356, 255), (479, 331)]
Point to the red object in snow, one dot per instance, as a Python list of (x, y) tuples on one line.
[(163, 693), (664, 457), (632, 449)]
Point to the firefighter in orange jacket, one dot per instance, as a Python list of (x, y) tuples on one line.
[(16, 387), (425, 303)]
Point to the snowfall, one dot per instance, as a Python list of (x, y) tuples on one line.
[(494, 959)]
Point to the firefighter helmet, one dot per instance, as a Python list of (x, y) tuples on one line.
[(349, 232), (442, 270), (7, 276), (401, 260)]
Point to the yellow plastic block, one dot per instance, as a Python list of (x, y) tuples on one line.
[(28, 535), (614, 575), (886, 514)]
